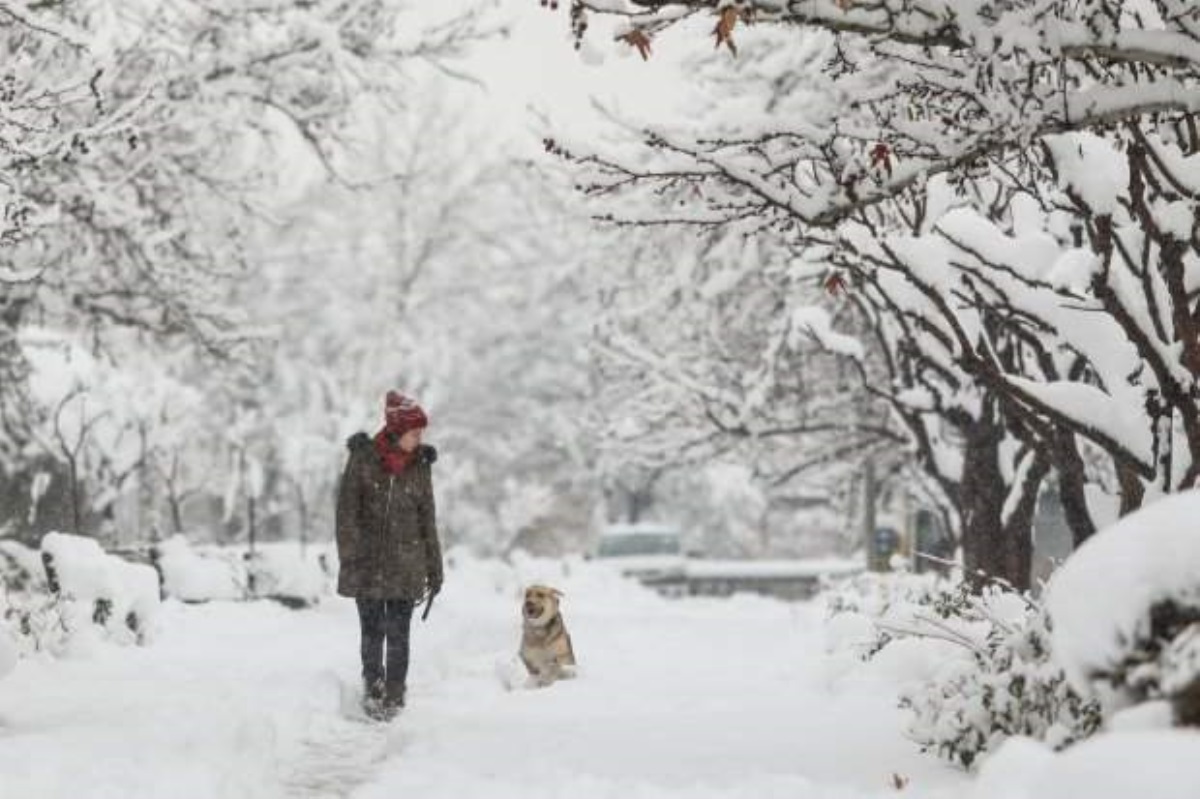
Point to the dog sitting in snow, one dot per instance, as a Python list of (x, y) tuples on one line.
[(545, 645)]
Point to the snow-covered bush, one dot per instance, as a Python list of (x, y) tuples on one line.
[(285, 573), (860, 606), (30, 616), (875, 594), (20, 568), (1000, 679), (35, 622), (1126, 608), (1010, 685), (93, 588), (280, 571), (70, 590), (191, 576), (16, 581)]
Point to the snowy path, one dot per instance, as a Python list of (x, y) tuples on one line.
[(335, 761), (676, 699)]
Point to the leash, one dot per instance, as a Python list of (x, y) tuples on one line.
[(428, 605)]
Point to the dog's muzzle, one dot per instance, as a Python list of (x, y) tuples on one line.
[(532, 610)]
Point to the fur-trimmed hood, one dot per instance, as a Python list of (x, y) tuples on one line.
[(360, 441)]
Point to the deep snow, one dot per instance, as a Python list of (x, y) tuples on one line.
[(696, 698)]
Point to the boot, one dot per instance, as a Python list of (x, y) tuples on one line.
[(374, 695), (393, 698)]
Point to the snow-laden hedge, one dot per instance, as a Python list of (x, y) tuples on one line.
[(975, 669)]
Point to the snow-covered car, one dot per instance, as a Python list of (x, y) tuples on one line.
[(650, 552)]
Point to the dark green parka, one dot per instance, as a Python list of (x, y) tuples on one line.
[(386, 526)]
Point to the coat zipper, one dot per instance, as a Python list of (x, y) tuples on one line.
[(387, 509)]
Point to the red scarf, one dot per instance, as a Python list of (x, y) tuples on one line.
[(393, 458)]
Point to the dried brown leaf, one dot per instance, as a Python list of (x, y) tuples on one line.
[(724, 29), (638, 38)]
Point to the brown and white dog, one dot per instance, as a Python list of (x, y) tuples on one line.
[(545, 645)]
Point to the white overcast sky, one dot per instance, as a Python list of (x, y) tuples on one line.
[(536, 73)]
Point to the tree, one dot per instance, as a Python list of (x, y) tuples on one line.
[(142, 142), (49, 107), (461, 285), (931, 137), (710, 350)]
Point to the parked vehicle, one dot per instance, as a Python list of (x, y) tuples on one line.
[(653, 554), (647, 551)]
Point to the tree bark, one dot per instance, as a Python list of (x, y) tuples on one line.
[(1132, 490), (995, 548), (1071, 481), (76, 498)]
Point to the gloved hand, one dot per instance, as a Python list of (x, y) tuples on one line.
[(433, 581)]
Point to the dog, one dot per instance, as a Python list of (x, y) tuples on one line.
[(545, 644)]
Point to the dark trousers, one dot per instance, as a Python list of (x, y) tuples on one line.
[(385, 620)]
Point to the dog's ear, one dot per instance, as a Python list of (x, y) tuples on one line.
[(557, 594)]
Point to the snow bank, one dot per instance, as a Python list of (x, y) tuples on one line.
[(1100, 599), (813, 567), (8, 652), (1006, 773), (572, 575), (1157, 764), (676, 698)]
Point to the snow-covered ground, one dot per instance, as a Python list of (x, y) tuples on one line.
[(695, 698)]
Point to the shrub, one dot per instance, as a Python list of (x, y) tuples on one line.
[(1009, 685), (1005, 681)]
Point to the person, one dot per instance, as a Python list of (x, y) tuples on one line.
[(387, 541)]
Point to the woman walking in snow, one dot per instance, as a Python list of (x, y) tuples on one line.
[(388, 544)]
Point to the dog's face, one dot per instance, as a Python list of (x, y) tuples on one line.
[(541, 604)]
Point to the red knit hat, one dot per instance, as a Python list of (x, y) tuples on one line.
[(402, 413)]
